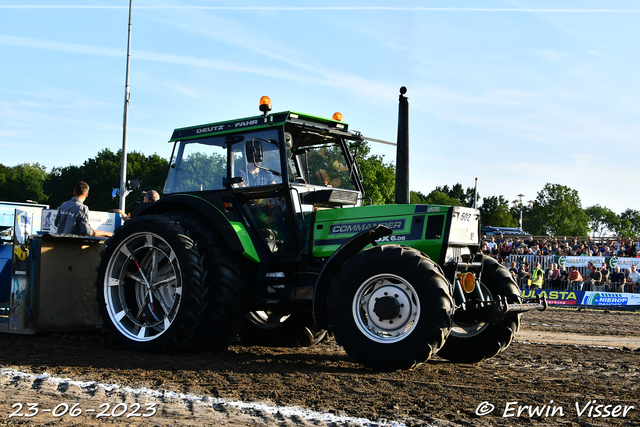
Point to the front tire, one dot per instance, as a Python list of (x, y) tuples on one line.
[(389, 307), (483, 340)]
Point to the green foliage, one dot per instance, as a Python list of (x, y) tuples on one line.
[(151, 171), (417, 198), (464, 197), (379, 179), (602, 220), (628, 223), (557, 211), (102, 173), (201, 170), (23, 182), (495, 211), (60, 182), (454, 196), (437, 197)]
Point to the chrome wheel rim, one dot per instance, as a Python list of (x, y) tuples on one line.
[(143, 286), (386, 308)]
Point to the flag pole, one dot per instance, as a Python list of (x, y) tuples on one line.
[(123, 168)]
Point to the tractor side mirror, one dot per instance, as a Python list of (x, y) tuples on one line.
[(254, 152), (288, 140)]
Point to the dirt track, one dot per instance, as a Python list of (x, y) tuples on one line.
[(321, 386)]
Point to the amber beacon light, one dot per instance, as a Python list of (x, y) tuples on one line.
[(337, 116), (265, 105)]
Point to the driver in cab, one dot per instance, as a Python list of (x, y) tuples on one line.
[(256, 176)]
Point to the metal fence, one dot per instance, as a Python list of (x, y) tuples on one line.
[(561, 285)]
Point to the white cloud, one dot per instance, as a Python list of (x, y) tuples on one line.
[(350, 82), (59, 46)]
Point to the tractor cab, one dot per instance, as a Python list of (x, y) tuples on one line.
[(278, 169)]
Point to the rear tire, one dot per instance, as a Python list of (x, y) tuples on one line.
[(229, 286), (483, 340), (151, 285), (389, 307), (200, 294), (274, 329)]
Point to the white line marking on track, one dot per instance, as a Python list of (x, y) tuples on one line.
[(288, 411)]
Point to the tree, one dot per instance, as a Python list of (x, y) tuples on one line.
[(417, 198), (102, 173), (3, 176), (60, 183), (202, 170), (628, 223), (439, 198), (464, 197), (379, 177), (495, 211), (151, 171), (557, 210), (23, 182), (601, 220)]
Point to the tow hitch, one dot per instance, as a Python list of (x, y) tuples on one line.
[(496, 310), (538, 303)]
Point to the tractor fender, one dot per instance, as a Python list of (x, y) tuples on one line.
[(335, 263), (234, 234)]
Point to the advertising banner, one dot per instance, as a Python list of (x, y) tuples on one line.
[(623, 263), (610, 298), (104, 221), (556, 297), (580, 261), (19, 301), (7, 217), (582, 298)]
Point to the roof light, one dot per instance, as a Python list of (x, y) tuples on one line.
[(337, 116), (265, 105)]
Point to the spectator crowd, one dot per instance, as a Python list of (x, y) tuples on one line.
[(528, 260)]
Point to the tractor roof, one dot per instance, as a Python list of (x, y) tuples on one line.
[(256, 122)]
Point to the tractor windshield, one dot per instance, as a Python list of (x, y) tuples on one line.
[(203, 164), (324, 160)]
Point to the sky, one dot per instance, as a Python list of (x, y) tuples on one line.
[(514, 93)]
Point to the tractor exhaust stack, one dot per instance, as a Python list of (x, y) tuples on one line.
[(402, 151)]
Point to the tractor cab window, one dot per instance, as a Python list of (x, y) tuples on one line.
[(257, 159), (203, 164), (319, 160), (198, 166)]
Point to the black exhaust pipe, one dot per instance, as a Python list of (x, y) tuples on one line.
[(402, 151)]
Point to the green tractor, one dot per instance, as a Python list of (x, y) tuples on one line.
[(265, 233)]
